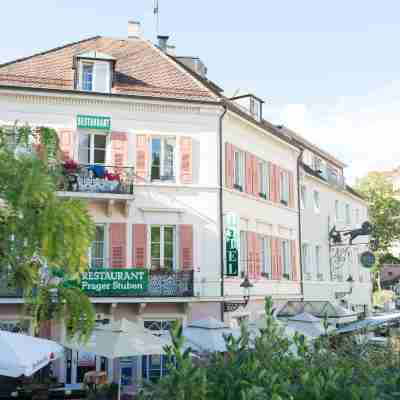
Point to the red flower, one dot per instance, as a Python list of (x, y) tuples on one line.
[(70, 165)]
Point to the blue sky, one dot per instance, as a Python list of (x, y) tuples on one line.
[(329, 70)]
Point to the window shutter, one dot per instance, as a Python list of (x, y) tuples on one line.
[(279, 258), (186, 246), (66, 143), (117, 241), (186, 159), (142, 155), (250, 255), (271, 181), (278, 189), (274, 259), (257, 252), (119, 150), (229, 168), (249, 173), (101, 72), (291, 190), (293, 256), (139, 235), (256, 177)]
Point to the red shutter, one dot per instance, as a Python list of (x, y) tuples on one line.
[(119, 150), (274, 259), (291, 190), (249, 173), (142, 155), (186, 246), (256, 177), (139, 232), (279, 258), (229, 169), (294, 263), (66, 143), (117, 241), (271, 181), (186, 159), (257, 251), (278, 183)]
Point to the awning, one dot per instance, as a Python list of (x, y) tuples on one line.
[(369, 323)]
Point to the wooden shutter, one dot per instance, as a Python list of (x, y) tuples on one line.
[(139, 235), (186, 246), (248, 173), (274, 259), (142, 157), (66, 143), (278, 186), (291, 190), (271, 181), (279, 258), (256, 177), (119, 150), (229, 167), (186, 159), (294, 262), (117, 240), (250, 255), (257, 252)]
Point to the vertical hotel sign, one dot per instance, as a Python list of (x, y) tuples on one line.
[(232, 244)]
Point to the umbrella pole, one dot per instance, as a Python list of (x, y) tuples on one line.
[(119, 382)]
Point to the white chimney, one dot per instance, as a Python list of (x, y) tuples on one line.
[(134, 29), (163, 42)]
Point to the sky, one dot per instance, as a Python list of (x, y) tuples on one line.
[(328, 70)]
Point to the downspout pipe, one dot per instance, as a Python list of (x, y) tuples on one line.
[(299, 159), (221, 208)]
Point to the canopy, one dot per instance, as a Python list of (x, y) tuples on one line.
[(24, 355), (370, 322), (207, 336), (120, 339)]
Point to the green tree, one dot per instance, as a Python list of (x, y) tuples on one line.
[(37, 226)]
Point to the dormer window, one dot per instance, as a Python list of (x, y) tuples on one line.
[(250, 104), (94, 72)]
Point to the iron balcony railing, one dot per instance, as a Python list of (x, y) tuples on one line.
[(161, 284), (93, 178)]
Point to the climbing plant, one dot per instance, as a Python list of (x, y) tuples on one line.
[(37, 227)]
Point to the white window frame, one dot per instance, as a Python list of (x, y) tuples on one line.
[(285, 257), (81, 75), (263, 177), (347, 211), (175, 253), (317, 259), (105, 241), (162, 177), (91, 147), (357, 216), (266, 261), (305, 258), (238, 176), (284, 178), (337, 210), (317, 201), (303, 196)]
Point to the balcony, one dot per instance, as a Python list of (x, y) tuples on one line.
[(7, 291)]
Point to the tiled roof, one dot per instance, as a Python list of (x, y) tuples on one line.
[(140, 69)]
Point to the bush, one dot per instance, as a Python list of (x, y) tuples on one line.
[(272, 366)]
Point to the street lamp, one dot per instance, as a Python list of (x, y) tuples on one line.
[(246, 285), (350, 281)]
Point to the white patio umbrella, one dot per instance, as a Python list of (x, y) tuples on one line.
[(308, 325), (207, 336), (120, 339), (24, 355)]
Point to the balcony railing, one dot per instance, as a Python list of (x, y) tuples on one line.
[(87, 178), (7, 290)]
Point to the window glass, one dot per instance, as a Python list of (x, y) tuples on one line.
[(92, 148), (318, 259), (317, 205), (357, 216), (155, 247), (305, 258), (162, 247), (284, 187), (262, 173), (239, 169), (266, 256), (285, 257), (337, 210), (348, 217), (162, 158), (97, 249), (84, 148), (155, 158), (169, 247), (168, 156), (87, 77)]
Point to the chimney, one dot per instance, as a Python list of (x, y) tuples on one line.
[(134, 29), (163, 42), (171, 50)]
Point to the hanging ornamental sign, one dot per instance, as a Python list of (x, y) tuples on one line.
[(367, 259), (232, 244), (115, 282), (93, 122)]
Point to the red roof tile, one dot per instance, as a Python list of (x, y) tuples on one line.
[(140, 69)]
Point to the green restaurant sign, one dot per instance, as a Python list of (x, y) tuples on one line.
[(232, 244), (115, 282), (93, 122)]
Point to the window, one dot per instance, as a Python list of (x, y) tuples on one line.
[(239, 170), (254, 108), (162, 243), (317, 204), (337, 210), (92, 148), (286, 259), (348, 217), (263, 176), (305, 259), (265, 245), (357, 212), (284, 187), (163, 158), (318, 260), (303, 196), (243, 253), (87, 77), (97, 251)]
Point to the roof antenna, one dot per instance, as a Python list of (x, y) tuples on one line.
[(156, 11)]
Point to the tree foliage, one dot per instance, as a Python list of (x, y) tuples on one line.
[(37, 225), (271, 366), (384, 212)]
